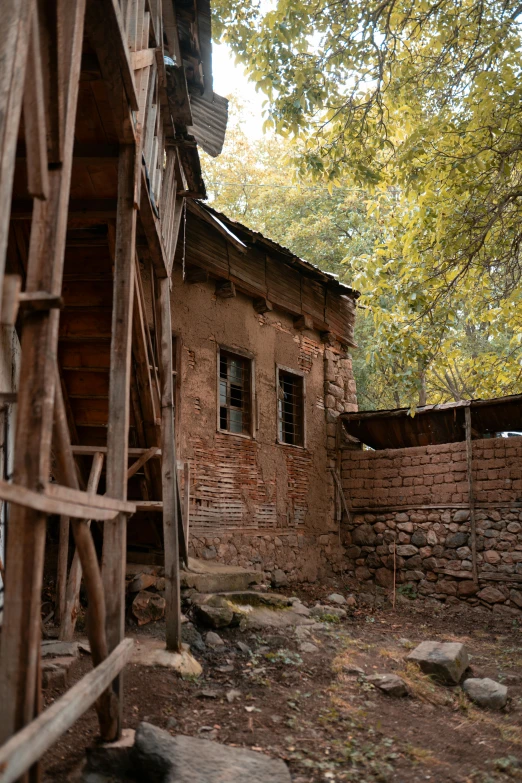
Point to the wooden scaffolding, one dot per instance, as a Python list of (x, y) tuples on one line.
[(95, 163)]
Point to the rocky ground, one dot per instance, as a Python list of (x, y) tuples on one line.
[(308, 694)]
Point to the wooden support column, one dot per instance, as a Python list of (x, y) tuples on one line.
[(61, 571), (115, 531), (471, 494), (20, 642), (169, 468)]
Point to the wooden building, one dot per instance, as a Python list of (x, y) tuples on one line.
[(262, 368), (103, 104)]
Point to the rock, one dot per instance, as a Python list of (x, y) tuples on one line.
[(302, 632), (461, 516), (191, 636), (455, 540), (364, 535), (486, 692), (350, 668), (55, 649), (384, 577), (150, 651), (279, 578), (215, 616), (209, 553), (213, 640), (391, 684), (244, 648), (336, 598), (320, 610), (351, 600), (467, 588), (491, 595), (407, 550), (54, 676), (160, 757), (141, 582), (308, 647), (113, 759), (232, 695), (492, 557), (447, 661), (301, 609), (516, 597), (419, 538)]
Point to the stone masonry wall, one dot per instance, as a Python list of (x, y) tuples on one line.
[(432, 546)]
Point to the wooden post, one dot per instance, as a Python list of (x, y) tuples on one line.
[(61, 571), (115, 532), (14, 43), (70, 612), (20, 642), (168, 469), (471, 494), (186, 501)]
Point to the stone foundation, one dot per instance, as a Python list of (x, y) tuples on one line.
[(302, 557)]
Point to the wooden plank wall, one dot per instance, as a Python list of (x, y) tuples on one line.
[(263, 275)]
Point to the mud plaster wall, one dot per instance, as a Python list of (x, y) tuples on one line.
[(433, 545), (254, 502)]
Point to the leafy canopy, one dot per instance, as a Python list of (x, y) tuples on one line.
[(420, 104)]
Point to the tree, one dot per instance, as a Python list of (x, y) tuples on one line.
[(420, 104)]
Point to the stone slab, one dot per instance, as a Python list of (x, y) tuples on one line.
[(149, 651), (181, 759), (447, 661), (486, 692), (209, 577)]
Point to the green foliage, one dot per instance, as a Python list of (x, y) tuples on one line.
[(416, 105)]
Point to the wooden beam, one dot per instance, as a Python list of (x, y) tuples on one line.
[(471, 493), (195, 274), (149, 505), (186, 503), (14, 44), (115, 533), (225, 289), (21, 631), (28, 745), (71, 599), (61, 569), (262, 306), (103, 502), (105, 31), (47, 504), (303, 322), (152, 452), (169, 470), (35, 125), (152, 230), (90, 450), (142, 59)]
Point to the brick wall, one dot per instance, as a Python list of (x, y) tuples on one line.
[(410, 511), (434, 474)]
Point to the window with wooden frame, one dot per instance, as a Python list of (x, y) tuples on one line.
[(235, 393), (290, 408)]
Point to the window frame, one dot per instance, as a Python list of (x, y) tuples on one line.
[(298, 374), (249, 356)]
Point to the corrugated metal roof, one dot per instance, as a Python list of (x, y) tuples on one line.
[(311, 269), (210, 119), (434, 424)]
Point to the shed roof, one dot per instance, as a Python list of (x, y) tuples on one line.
[(434, 424)]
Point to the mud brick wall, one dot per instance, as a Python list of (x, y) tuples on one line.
[(433, 545)]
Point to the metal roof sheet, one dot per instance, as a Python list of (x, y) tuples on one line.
[(433, 424)]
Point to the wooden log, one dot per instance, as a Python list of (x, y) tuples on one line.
[(107, 706), (34, 118), (10, 299), (471, 492), (168, 470), (72, 598), (225, 289), (14, 43), (149, 505), (29, 744), (262, 305), (115, 533)]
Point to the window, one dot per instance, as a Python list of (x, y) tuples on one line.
[(290, 408), (235, 395)]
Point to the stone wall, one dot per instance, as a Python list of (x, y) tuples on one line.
[(432, 546)]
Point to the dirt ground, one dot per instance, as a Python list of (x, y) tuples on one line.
[(328, 724)]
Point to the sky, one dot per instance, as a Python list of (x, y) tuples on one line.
[(230, 78)]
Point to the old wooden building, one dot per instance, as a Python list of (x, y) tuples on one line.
[(261, 342)]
